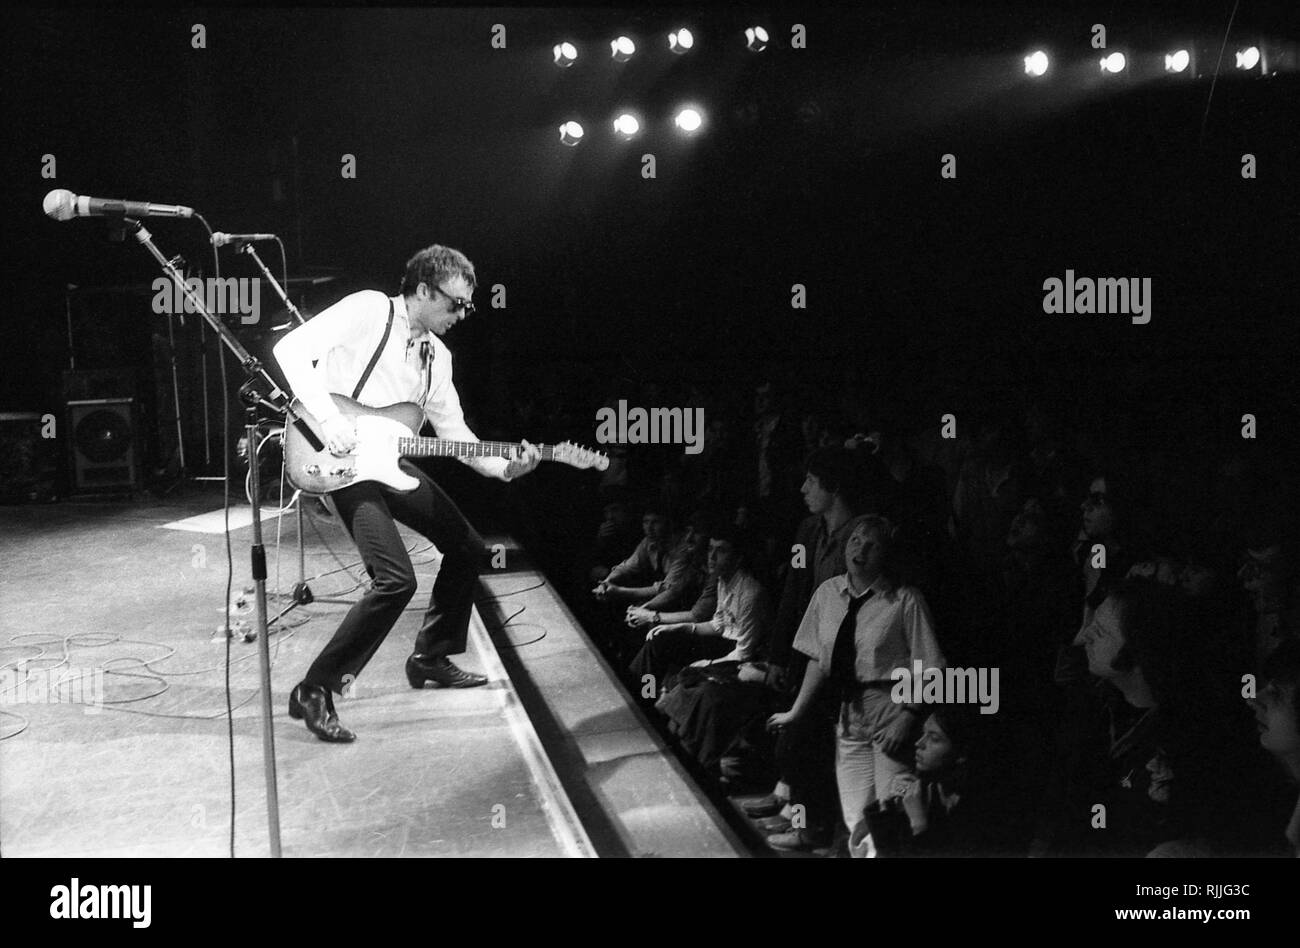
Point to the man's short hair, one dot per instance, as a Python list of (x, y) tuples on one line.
[(434, 265), (741, 539), (833, 467), (656, 508)]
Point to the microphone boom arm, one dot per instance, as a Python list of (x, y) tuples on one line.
[(281, 401), (275, 285)]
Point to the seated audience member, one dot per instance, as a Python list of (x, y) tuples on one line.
[(616, 540), (640, 577), (1277, 711), (1109, 521), (1268, 576), (716, 710), (1108, 516), (689, 593), (688, 567), (737, 629), (942, 809), (1156, 776), (1106, 523), (857, 630)]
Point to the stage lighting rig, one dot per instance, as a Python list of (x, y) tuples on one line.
[(1113, 63), (689, 120), (627, 125), (621, 49), (566, 54), (571, 133), (1178, 61)]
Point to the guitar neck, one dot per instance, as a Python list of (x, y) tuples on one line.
[(439, 448)]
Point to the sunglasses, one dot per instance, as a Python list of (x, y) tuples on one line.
[(1096, 499), (458, 304)]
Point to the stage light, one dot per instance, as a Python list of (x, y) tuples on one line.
[(688, 120), (1248, 58), (1114, 63), (571, 133), (627, 125), (1036, 63), (566, 54), (681, 40), (622, 49), (1178, 61), (755, 39)]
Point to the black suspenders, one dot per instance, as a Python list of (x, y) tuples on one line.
[(365, 376)]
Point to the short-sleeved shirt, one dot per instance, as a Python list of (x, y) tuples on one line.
[(742, 614), (894, 629)]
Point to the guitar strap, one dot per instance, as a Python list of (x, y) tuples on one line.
[(365, 376)]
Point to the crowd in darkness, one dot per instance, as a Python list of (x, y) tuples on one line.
[(1137, 615)]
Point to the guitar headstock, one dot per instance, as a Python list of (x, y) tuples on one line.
[(579, 457)]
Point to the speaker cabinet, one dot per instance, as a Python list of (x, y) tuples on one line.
[(105, 444)]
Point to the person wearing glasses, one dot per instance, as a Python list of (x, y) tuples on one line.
[(389, 349)]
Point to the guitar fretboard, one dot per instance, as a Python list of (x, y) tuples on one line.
[(439, 448)]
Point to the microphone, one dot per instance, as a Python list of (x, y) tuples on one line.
[(220, 240), (62, 205)]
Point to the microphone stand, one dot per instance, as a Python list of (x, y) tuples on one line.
[(302, 594), (183, 471), (280, 402)]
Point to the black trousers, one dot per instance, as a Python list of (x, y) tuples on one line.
[(805, 756), (369, 510), (669, 652)]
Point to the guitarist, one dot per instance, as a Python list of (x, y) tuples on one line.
[(383, 350)]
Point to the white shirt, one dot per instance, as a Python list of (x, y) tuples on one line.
[(742, 615), (341, 340), (892, 629)]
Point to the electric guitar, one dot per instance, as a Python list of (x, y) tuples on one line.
[(384, 436)]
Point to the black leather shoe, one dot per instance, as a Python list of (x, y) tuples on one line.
[(315, 705), (769, 805), (441, 671)]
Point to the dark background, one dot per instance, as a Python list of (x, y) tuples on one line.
[(924, 295)]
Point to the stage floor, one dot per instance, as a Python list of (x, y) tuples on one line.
[(142, 767)]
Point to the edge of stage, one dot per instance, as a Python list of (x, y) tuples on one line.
[(551, 759)]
